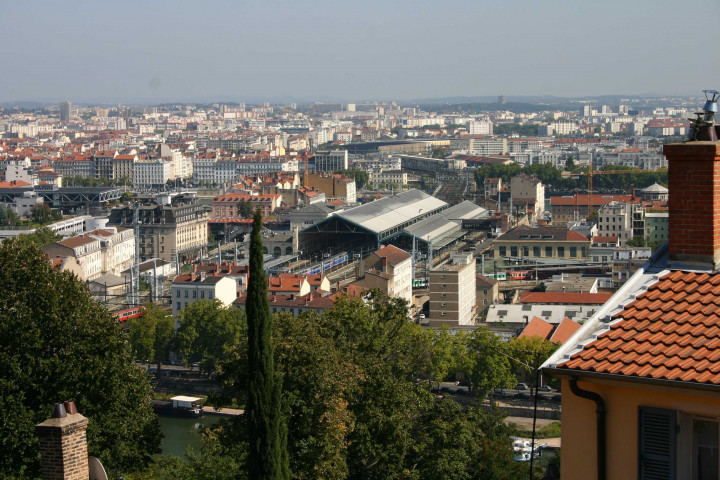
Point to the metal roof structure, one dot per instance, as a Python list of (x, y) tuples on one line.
[(444, 227), (392, 212)]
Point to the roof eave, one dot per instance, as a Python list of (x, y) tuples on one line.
[(612, 377)]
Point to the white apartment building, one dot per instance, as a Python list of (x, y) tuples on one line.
[(452, 292), (480, 127), (623, 220), (190, 288), (102, 251), (151, 174), (389, 177), (488, 146)]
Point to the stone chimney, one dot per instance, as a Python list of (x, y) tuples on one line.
[(694, 184), (63, 444)]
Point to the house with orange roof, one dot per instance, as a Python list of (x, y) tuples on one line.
[(641, 377), (390, 270), (288, 283)]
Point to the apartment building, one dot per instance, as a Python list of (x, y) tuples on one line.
[(99, 252), (334, 186), (188, 289), (331, 161), (542, 242), (179, 226), (151, 174), (452, 292), (390, 270)]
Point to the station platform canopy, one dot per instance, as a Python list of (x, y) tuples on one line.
[(445, 227)]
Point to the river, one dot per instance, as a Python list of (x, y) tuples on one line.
[(179, 433)]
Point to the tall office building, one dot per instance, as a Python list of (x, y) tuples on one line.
[(65, 111)]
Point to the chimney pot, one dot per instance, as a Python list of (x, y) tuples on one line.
[(59, 411), (70, 407)]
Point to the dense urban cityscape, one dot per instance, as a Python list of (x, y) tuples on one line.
[(476, 242)]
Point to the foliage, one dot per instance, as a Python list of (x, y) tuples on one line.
[(206, 330), (95, 182), (552, 177), (361, 176), (57, 344), (510, 128), (440, 152), (486, 362), (356, 393), (151, 335), (41, 237), (529, 350), (7, 216), (246, 208), (267, 432), (42, 213)]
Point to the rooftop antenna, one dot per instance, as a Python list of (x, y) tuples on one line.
[(703, 127)]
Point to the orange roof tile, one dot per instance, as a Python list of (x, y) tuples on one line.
[(564, 331), (670, 332), (537, 328)]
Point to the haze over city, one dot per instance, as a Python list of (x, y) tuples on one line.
[(97, 52)]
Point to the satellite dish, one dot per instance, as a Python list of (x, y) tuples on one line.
[(97, 471)]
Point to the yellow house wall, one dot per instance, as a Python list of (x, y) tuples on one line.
[(579, 452)]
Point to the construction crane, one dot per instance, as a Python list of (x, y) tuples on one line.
[(590, 173)]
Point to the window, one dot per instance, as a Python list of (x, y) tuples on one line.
[(503, 251), (178, 307), (573, 252), (186, 293), (513, 251), (525, 251), (202, 294), (484, 291), (548, 252), (560, 251), (656, 443), (536, 251), (443, 304), (210, 295), (177, 293), (443, 295), (194, 293)]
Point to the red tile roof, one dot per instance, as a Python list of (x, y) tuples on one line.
[(670, 332), (393, 254), (604, 239), (564, 331), (537, 328), (565, 298)]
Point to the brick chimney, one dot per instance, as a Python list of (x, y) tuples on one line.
[(63, 444), (694, 184)]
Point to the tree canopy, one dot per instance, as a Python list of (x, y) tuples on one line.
[(57, 343)]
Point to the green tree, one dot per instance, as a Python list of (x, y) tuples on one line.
[(39, 238), (42, 213), (57, 343), (361, 177), (206, 330), (267, 458), (486, 362), (529, 351), (151, 335)]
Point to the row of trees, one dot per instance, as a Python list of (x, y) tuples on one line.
[(552, 177), (39, 214)]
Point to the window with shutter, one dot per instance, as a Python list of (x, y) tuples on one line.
[(656, 444)]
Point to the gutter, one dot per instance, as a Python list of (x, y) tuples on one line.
[(600, 411)]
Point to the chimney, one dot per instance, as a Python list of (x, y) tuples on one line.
[(694, 184), (63, 444)]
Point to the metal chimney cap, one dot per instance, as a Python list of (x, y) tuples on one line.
[(59, 411)]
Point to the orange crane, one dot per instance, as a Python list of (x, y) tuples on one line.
[(590, 174)]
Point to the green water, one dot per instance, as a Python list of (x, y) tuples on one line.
[(179, 433)]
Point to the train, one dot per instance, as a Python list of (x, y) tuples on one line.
[(128, 313), (513, 275), (325, 265)]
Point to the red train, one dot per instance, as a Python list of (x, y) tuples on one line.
[(128, 313)]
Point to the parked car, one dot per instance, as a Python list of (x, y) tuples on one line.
[(545, 388), (521, 386), (522, 396), (556, 398)]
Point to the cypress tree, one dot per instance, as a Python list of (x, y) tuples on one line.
[(267, 460)]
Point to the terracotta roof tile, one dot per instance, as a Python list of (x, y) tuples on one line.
[(671, 332), (537, 328)]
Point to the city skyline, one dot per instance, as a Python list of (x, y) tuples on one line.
[(285, 51)]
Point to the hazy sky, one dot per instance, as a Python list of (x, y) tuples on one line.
[(152, 50)]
